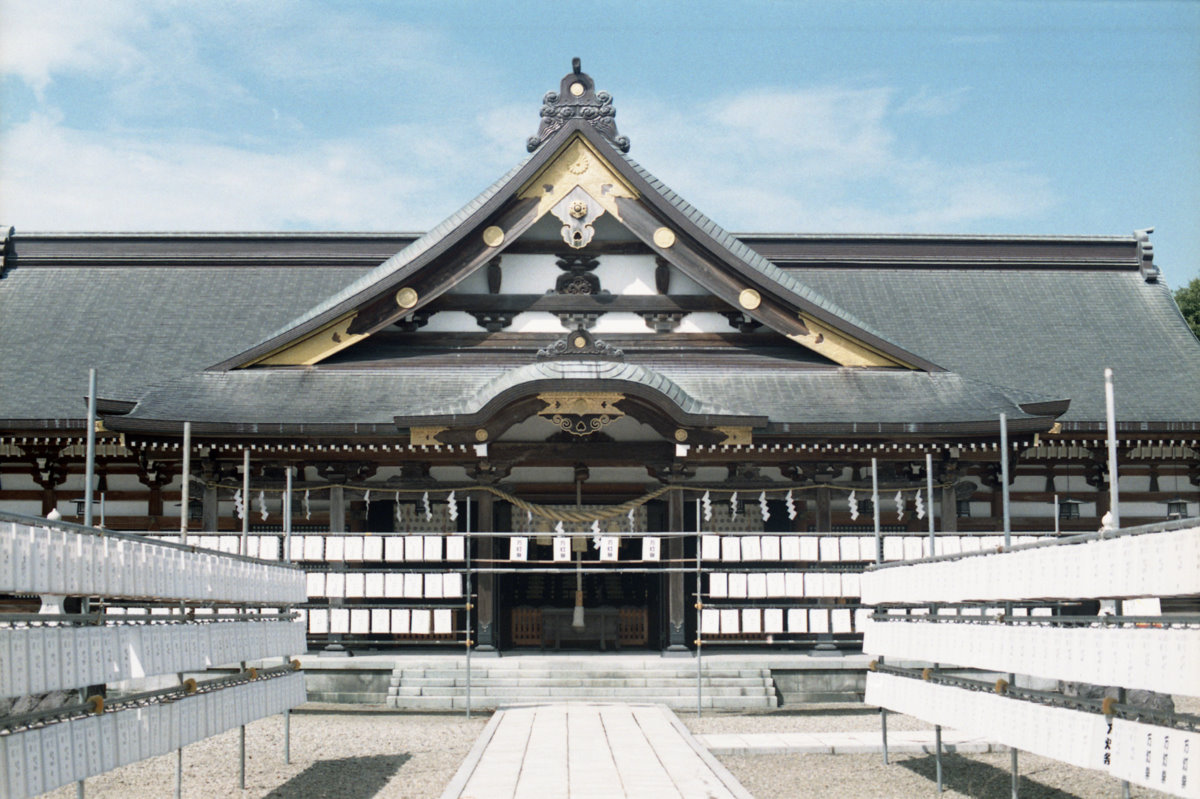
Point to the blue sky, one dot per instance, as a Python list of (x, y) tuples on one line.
[(1073, 118)]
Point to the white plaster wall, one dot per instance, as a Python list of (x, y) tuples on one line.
[(20, 482), (527, 274), (704, 323), (621, 322), (452, 322), (534, 322)]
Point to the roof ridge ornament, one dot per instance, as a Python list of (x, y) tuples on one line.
[(579, 345), (577, 98)]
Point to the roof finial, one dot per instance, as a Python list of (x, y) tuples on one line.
[(577, 98)]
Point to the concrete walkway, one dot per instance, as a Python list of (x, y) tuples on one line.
[(843, 743), (579, 750)]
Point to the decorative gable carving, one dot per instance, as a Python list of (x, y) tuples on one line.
[(577, 98)]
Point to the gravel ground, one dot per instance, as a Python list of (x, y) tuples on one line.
[(376, 753), (334, 754), (977, 776)]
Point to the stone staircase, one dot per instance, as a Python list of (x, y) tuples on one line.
[(733, 687)]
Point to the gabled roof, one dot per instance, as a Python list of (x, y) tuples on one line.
[(576, 154)]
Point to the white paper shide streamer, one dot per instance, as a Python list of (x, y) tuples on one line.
[(920, 505), (733, 506), (558, 527), (900, 505), (307, 507), (399, 519), (632, 524), (239, 504), (853, 503), (706, 502), (762, 505), (262, 504), (428, 507), (452, 506), (791, 505)]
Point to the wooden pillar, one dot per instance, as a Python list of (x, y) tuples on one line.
[(949, 510), (676, 638), (485, 604), (209, 519), (337, 509), (824, 520)]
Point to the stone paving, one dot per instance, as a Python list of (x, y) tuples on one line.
[(583, 749)]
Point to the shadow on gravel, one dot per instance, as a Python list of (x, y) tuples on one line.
[(980, 780), (348, 778)]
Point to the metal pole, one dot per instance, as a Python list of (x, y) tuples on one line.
[(937, 728), (242, 755), (287, 557), (1056, 523), (937, 754), (287, 513), (1111, 414), (101, 508), (699, 614), (875, 509), (79, 790), (245, 498), (90, 477), (878, 559), (1007, 543), (929, 503), (179, 773), (467, 609), (1004, 479), (187, 471)]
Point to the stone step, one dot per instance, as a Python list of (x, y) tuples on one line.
[(608, 682), (427, 703), (680, 673), (513, 693)]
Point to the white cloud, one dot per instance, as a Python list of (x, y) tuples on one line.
[(40, 39), (928, 103), (57, 178), (827, 159)]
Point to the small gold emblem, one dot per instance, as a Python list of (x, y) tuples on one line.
[(664, 238), (577, 89), (406, 297), (493, 236), (749, 299)]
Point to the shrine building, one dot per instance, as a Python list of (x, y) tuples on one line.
[(578, 353)]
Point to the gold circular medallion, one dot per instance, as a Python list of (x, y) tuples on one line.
[(580, 342), (580, 165), (664, 237), (681, 435), (749, 299), (493, 236), (481, 434), (406, 297), (577, 89)]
